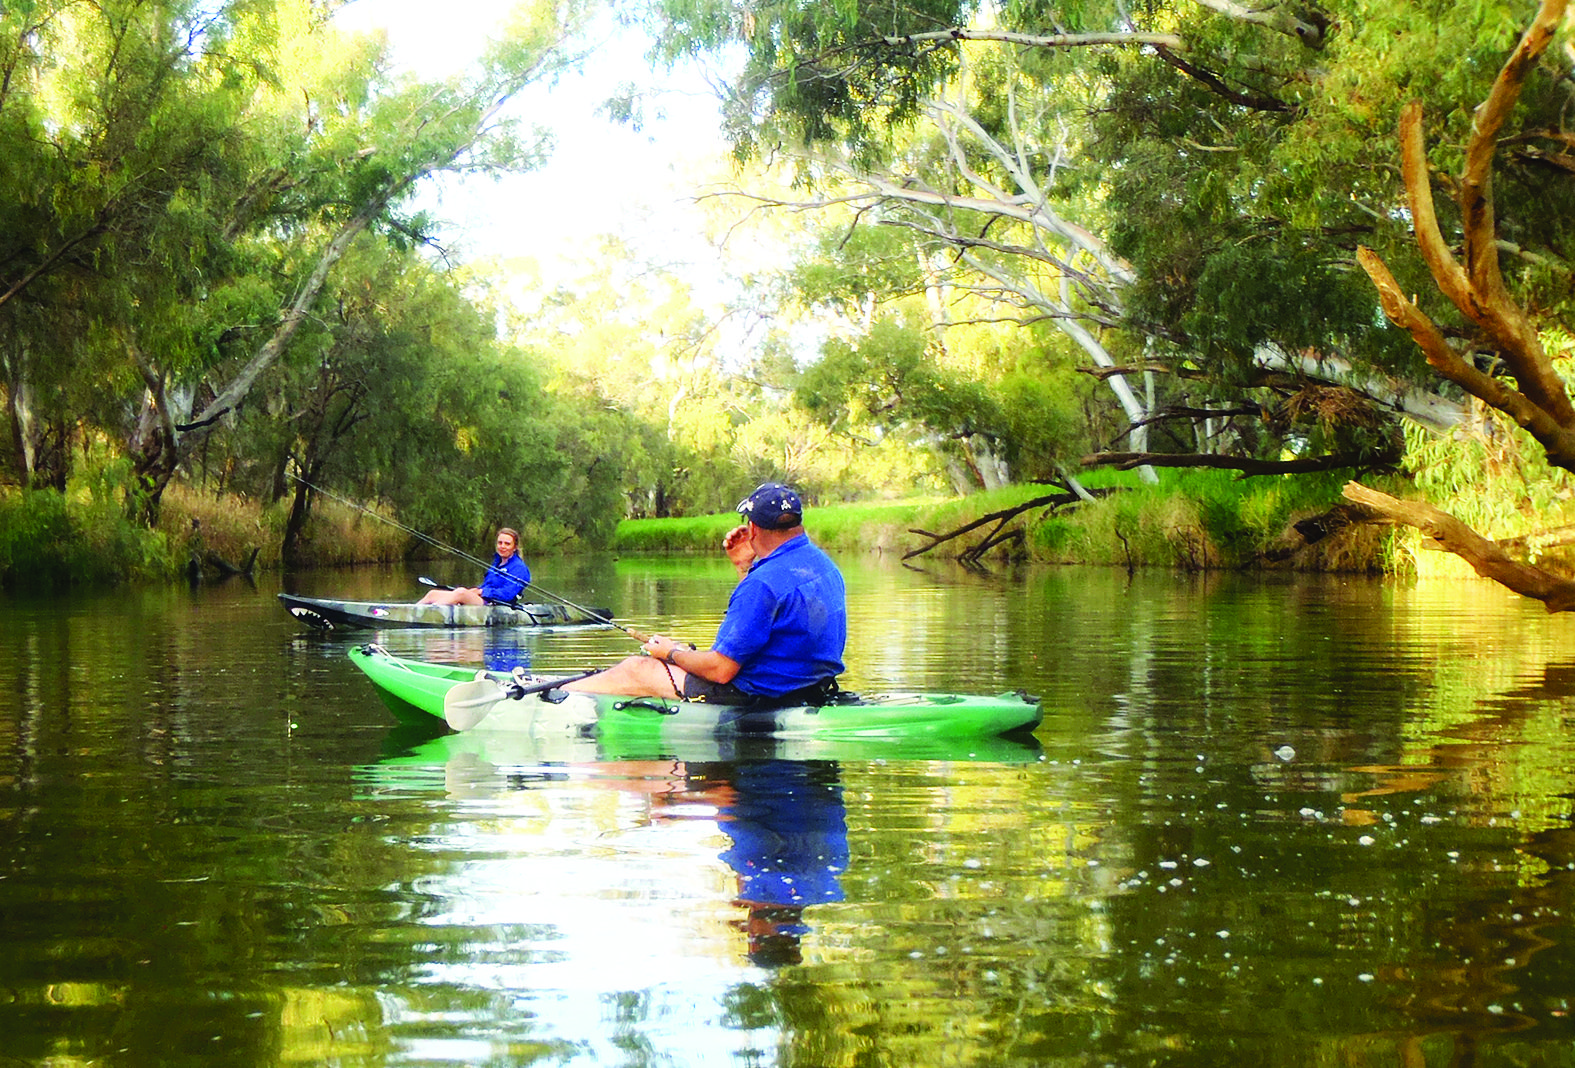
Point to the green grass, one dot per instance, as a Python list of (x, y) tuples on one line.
[(1193, 520), (51, 540), (843, 526)]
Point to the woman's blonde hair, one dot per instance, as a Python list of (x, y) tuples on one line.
[(511, 532)]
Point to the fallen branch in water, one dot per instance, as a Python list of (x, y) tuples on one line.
[(1486, 557)]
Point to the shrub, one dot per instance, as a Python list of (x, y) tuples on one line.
[(50, 540)]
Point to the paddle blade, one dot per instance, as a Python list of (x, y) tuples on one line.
[(468, 703)]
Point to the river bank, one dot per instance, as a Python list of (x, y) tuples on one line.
[(1192, 521)]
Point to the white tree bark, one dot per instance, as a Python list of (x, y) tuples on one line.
[(1421, 406)]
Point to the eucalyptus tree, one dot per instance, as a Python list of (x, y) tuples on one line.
[(929, 351), (391, 391), (976, 190), (365, 153), (1097, 164), (1246, 159), (200, 169), (108, 125)]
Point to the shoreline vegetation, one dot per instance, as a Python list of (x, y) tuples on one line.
[(1191, 521)]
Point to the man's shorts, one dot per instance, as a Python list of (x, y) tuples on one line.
[(714, 693)]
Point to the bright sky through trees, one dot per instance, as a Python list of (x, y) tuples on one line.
[(602, 178)]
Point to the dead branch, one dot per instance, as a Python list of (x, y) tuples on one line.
[(1177, 411), (1000, 519), (1539, 540), (1539, 402), (1247, 465), (1487, 558), (1033, 40)]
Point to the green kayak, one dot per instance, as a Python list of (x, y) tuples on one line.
[(472, 699)]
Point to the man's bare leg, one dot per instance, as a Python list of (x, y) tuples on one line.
[(637, 676)]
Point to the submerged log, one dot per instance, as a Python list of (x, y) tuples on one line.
[(207, 561)]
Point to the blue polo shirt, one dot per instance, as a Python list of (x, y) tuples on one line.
[(787, 621), (507, 581)]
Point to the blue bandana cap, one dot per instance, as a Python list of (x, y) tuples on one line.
[(772, 507)]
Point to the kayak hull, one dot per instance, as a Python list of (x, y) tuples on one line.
[(414, 690), (325, 614)]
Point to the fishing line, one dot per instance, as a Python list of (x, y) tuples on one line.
[(413, 532)]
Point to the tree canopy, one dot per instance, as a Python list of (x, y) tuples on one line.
[(1046, 236), (1193, 176)]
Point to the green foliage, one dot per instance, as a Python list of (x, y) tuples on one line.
[(848, 267), (858, 97), (52, 540), (888, 377), (1493, 478)]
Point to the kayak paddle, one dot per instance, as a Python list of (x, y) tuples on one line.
[(468, 703)]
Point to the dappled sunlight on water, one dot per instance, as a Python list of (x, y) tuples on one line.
[(1266, 819)]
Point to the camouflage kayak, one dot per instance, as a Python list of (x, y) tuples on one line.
[(323, 614)]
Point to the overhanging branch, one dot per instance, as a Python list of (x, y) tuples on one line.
[(1247, 465), (1487, 558)]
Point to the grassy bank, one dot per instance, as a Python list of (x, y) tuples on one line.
[(50, 540), (1193, 520)]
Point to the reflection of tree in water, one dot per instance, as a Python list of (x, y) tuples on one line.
[(1494, 971), (1467, 821), (789, 845)]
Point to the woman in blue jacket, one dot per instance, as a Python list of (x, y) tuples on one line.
[(506, 579)]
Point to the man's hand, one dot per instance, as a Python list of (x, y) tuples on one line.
[(659, 646), (739, 549)]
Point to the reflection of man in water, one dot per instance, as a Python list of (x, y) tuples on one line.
[(790, 845), (506, 650)]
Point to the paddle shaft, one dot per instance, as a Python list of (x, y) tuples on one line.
[(462, 711), (514, 691), (413, 532)]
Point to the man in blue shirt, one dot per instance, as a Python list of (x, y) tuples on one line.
[(785, 628), (505, 580)]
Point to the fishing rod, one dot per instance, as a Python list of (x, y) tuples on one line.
[(435, 543)]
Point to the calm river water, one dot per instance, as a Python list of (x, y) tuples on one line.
[(1267, 821)]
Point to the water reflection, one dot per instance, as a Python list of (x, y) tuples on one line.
[(1265, 820), (778, 802), (497, 648), (789, 844)]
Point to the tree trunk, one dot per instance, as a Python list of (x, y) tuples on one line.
[(19, 406), (292, 551)]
